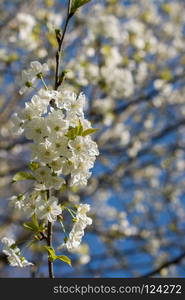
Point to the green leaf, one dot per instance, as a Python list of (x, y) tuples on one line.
[(76, 4), (79, 128), (79, 131), (51, 251), (35, 221), (65, 259), (53, 256), (73, 132), (89, 131), (34, 165), (34, 225), (23, 176), (30, 227)]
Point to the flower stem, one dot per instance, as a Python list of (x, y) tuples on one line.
[(44, 84)]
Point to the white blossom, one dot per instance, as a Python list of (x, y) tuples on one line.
[(72, 103), (56, 124), (31, 203), (45, 152), (49, 209), (57, 165), (29, 76), (80, 173), (77, 232), (36, 129), (83, 146), (18, 201), (13, 253), (33, 109)]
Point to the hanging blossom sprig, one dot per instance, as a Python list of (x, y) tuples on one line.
[(61, 147), (14, 254)]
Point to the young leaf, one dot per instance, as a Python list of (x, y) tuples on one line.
[(51, 251), (65, 259), (30, 227), (34, 165), (89, 131), (76, 4), (75, 131), (35, 221), (71, 134), (23, 176), (79, 128)]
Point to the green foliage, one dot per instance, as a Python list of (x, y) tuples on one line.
[(79, 131), (89, 131), (34, 165), (23, 176), (53, 256), (75, 131), (35, 221), (76, 4), (65, 259), (30, 227), (34, 225), (51, 251)]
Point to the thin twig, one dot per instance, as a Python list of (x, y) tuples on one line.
[(60, 40)]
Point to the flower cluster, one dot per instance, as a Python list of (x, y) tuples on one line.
[(37, 204), (62, 145), (77, 232), (13, 253)]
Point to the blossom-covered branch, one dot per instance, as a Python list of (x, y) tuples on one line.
[(62, 153)]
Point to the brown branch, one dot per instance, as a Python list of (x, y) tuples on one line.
[(167, 264)]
